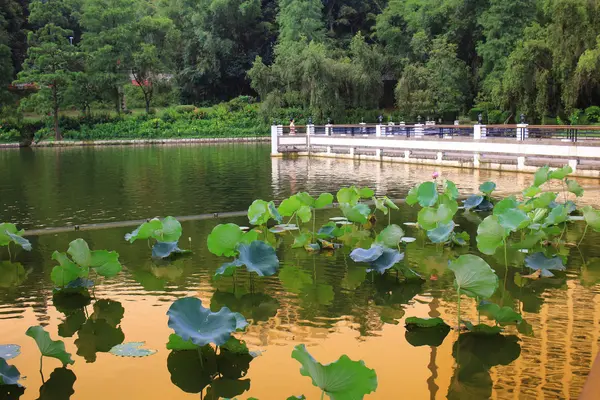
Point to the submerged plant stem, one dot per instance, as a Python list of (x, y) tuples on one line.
[(9, 255), (583, 236), (322, 395), (458, 313)]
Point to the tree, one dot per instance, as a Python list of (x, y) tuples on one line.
[(152, 53), (51, 64)]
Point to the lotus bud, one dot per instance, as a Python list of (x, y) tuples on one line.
[(435, 175)]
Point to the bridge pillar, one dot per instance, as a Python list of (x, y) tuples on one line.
[(310, 130), (476, 160), (573, 164), (275, 141), (520, 163)]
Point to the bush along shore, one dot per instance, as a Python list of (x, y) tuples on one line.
[(180, 122)]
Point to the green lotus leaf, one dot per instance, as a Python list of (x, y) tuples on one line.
[(258, 212), (5, 229), (539, 261), (427, 194), (387, 260), (49, 347), (289, 206), (505, 204), (531, 191), (366, 193), (343, 379), (451, 190), (429, 218), (191, 321), (177, 343), (530, 241), (249, 237), (9, 351), (513, 219), (490, 235), (541, 176), (146, 230), (558, 215), (544, 199), (367, 255), (304, 213), (570, 206), (301, 240), (323, 200), (66, 272), (442, 233), (106, 263), (389, 203), (131, 349), (433, 336), (9, 374), (348, 196), (224, 239), (170, 231), (390, 236), (380, 205), (258, 257), (482, 329), (80, 253), (573, 187), (592, 217), (472, 202), (327, 231), (461, 239), (487, 188), (358, 213), (274, 213), (164, 250), (306, 199), (561, 173), (415, 322), (301, 397), (449, 204), (473, 276), (537, 215), (12, 274), (412, 198), (20, 241), (502, 315)]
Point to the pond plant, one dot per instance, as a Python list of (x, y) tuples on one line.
[(166, 234), (208, 358), (10, 234)]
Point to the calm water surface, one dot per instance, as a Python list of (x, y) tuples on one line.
[(325, 301)]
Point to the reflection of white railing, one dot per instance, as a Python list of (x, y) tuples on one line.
[(452, 145)]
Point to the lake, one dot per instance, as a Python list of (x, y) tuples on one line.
[(325, 301)]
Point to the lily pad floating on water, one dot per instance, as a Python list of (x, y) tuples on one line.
[(287, 227), (387, 260), (425, 331), (338, 219), (482, 329), (131, 349), (576, 218), (410, 223), (191, 321), (341, 380), (9, 374), (258, 257), (502, 315), (344, 223), (408, 239), (9, 351), (539, 262)]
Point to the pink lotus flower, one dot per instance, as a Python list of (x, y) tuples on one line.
[(435, 175)]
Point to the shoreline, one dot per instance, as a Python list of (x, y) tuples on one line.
[(136, 142)]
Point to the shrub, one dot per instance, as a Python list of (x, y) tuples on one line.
[(474, 113), (185, 109), (495, 117), (9, 135), (593, 114)]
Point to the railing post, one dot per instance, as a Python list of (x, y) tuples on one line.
[(363, 128), (328, 129), (310, 130), (275, 141), (573, 164), (476, 160), (479, 132), (522, 131), (419, 130), (378, 130)]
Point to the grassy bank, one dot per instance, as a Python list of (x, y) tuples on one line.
[(223, 120)]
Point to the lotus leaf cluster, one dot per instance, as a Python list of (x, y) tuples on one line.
[(165, 232)]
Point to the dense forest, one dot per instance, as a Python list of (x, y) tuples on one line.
[(434, 58)]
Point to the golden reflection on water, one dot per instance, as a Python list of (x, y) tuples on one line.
[(552, 364)]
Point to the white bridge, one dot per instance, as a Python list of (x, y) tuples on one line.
[(519, 147)]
